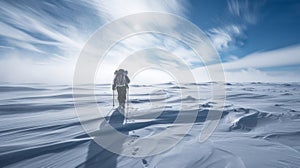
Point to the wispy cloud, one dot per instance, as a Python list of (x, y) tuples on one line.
[(228, 36), (44, 30), (232, 34), (6, 47), (245, 10), (113, 9)]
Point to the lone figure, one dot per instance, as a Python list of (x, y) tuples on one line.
[(121, 82)]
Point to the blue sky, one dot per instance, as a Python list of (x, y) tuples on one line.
[(257, 40), (272, 24)]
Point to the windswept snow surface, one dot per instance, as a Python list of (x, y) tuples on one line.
[(259, 127)]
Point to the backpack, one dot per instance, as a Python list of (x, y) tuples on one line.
[(120, 78)]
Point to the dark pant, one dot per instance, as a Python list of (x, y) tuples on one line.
[(121, 94)]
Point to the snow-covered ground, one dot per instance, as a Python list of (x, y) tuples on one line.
[(259, 126)]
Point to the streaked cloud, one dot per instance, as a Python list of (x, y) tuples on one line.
[(232, 34), (228, 36), (40, 41), (113, 9), (274, 58), (251, 67), (245, 10)]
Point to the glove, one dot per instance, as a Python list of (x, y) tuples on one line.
[(113, 87)]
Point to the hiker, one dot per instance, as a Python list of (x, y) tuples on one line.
[(121, 82)]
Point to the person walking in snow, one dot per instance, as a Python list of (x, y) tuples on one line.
[(120, 83)]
